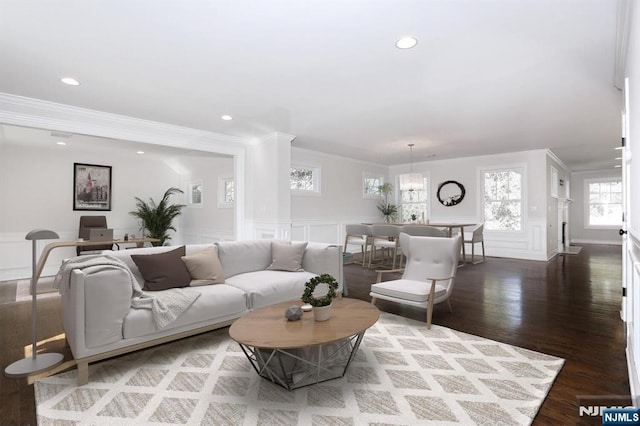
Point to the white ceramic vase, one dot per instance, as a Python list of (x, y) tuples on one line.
[(322, 313)]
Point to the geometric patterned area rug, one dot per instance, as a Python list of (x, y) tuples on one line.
[(402, 374)]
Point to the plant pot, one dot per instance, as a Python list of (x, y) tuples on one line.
[(321, 313)]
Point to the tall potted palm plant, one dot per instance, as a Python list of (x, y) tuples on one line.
[(157, 218), (388, 210)]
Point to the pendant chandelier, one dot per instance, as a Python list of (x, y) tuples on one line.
[(411, 181)]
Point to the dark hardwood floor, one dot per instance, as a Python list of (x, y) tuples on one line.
[(567, 307)]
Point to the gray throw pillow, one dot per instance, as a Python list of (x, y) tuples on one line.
[(287, 256), (162, 271)]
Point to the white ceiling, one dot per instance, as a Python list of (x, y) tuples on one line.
[(487, 76)]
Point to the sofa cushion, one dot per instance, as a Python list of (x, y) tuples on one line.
[(268, 287), (287, 256), (216, 303), (238, 257), (162, 271), (204, 267)]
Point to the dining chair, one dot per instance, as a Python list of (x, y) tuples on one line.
[(385, 237), (427, 279), (476, 236), (357, 234)]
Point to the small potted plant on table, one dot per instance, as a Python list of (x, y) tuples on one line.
[(321, 305)]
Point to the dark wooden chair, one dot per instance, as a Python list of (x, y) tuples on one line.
[(86, 223)]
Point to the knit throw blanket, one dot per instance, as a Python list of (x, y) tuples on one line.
[(165, 305)]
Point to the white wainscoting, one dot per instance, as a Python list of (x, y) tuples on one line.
[(262, 230), (326, 231), (15, 253), (205, 236), (529, 245), (605, 242)]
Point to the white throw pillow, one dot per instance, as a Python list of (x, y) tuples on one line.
[(287, 256)]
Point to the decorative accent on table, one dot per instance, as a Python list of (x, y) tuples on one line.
[(293, 313), (450, 193), (91, 187), (321, 305)]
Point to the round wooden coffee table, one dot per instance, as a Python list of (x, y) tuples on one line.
[(304, 352)]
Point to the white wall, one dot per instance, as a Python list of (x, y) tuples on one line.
[(322, 217), (207, 222), (36, 189), (580, 234)]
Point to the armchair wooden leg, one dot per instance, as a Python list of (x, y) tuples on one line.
[(449, 305), (373, 301), (432, 294)]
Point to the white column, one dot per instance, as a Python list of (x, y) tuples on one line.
[(268, 199)]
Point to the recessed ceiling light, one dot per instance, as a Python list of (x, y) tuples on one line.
[(617, 165), (140, 152), (61, 143), (618, 158), (406, 42), (70, 81), (618, 147), (226, 117)]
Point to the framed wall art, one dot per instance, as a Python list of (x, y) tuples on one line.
[(91, 187)]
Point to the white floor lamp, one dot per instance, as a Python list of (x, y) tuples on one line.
[(36, 363)]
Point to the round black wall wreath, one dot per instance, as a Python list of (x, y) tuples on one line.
[(453, 199)]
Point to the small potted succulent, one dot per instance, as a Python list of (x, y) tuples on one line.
[(321, 304)]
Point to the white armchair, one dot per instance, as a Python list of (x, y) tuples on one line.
[(432, 263)]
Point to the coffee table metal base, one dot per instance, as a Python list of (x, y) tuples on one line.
[(295, 368)]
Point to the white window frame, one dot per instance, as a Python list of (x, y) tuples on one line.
[(189, 192), (371, 196), (427, 197), (223, 203), (587, 203), (315, 180), (519, 168)]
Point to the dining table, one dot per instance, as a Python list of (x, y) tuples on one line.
[(451, 226)]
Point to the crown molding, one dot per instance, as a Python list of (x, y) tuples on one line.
[(37, 113)]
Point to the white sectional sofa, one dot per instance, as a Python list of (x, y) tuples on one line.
[(99, 321)]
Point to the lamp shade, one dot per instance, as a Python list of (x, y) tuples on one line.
[(41, 234), (411, 182)]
